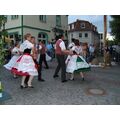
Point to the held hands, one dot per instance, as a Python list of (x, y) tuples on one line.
[(71, 53)]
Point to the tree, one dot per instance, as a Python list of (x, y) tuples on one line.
[(115, 27), (3, 34)]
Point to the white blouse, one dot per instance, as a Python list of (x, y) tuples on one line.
[(26, 44), (77, 49), (16, 51)]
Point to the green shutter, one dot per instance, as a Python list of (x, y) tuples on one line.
[(58, 20)]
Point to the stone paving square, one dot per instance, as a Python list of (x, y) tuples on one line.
[(101, 87)]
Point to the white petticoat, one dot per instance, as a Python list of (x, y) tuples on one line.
[(72, 64), (25, 64), (12, 62)]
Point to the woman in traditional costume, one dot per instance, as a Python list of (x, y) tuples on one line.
[(76, 63), (16, 54), (25, 65)]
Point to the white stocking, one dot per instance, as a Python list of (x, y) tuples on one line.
[(82, 75), (30, 80), (23, 80), (72, 76)]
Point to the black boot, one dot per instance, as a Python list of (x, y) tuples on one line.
[(83, 79)]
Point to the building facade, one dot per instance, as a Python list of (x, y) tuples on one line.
[(84, 31), (43, 27)]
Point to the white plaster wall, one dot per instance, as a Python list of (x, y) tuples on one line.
[(13, 23)]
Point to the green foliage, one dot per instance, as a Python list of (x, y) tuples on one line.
[(1, 87), (3, 20), (115, 27), (2, 52), (3, 34)]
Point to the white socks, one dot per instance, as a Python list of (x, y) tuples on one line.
[(30, 81), (72, 76), (23, 81)]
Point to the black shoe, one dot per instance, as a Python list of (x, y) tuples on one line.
[(71, 79), (55, 76), (47, 68), (30, 87), (83, 79), (23, 86), (15, 77), (41, 80), (64, 80), (26, 84)]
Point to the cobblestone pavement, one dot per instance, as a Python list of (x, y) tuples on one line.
[(54, 92)]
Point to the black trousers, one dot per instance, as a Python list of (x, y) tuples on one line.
[(41, 60), (61, 65)]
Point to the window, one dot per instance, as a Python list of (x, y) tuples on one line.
[(14, 36), (94, 28), (101, 36), (42, 36), (72, 26), (5, 18), (13, 17), (71, 35), (80, 35), (11, 36), (86, 34), (39, 35), (82, 25), (58, 20), (66, 33), (42, 18), (68, 27)]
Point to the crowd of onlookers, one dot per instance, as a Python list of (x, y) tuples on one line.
[(49, 50), (114, 52), (90, 51)]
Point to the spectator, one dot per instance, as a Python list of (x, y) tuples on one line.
[(92, 52), (107, 58), (50, 49)]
